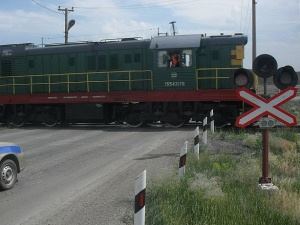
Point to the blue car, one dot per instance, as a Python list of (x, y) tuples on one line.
[(11, 163)]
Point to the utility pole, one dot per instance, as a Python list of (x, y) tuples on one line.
[(253, 30), (66, 11), (254, 38), (265, 133), (173, 27)]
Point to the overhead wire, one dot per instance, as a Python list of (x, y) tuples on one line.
[(45, 7)]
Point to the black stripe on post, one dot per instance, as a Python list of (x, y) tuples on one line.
[(212, 118), (182, 161), (139, 201), (196, 140), (204, 128)]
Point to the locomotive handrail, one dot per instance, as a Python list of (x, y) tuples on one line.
[(216, 76), (89, 78)]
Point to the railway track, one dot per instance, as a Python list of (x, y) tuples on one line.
[(227, 126)]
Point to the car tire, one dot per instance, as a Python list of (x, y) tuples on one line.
[(8, 174)]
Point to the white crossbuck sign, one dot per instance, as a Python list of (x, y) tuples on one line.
[(263, 107)]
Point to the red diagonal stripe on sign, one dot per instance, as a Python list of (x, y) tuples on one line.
[(263, 107)]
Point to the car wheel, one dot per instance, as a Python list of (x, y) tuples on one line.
[(8, 174)]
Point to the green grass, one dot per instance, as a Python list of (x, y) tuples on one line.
[(222, 189), (293, 107)]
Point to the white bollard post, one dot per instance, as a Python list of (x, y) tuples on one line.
[(196, 141), (182, 159), (139, 202), (212, 121), (204, 137)]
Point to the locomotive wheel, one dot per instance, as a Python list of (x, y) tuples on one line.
[(50, 121), (16, 121), (16, 116), (174, 120), (175, 124), (134, 120)]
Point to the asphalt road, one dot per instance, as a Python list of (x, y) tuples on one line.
[(85, 175)]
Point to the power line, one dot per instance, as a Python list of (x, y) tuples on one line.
[(45, 7)]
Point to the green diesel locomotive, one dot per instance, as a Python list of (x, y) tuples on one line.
[(171, 79)]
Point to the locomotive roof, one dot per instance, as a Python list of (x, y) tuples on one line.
[(178, 41), (195, 40), (90, 46), (238, 39), (78, 47), (160, 42)]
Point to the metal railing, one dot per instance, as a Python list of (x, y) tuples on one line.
[(49, 81), (213, 74)]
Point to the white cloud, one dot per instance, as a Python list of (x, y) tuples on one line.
[(20, 26)]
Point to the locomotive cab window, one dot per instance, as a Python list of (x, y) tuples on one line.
[(175, 58), (186, 58), (163, 59)]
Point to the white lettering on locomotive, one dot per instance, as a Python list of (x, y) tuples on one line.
[(174, 84)]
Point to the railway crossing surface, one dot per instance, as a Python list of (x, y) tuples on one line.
[(84, 175)]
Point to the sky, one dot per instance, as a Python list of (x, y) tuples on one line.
[(278, 22)]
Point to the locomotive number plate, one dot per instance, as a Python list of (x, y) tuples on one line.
[(174, 84)]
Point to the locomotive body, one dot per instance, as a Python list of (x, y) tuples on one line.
[(171, 79)]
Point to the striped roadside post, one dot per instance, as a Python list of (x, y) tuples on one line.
[(139, 202), (182, 159), (204, 137), (212, 121), (196, 141)]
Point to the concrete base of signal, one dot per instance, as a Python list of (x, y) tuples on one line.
[(268, 187)]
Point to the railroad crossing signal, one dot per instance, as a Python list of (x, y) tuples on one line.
[(264, 107), (266, 66)]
